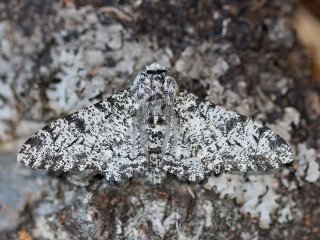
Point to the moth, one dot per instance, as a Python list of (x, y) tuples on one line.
[(152, 127)]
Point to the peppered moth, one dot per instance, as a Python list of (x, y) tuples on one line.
[(152, 127)]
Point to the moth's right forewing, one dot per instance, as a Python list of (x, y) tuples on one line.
[(101, 137)]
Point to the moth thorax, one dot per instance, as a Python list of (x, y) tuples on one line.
[(157, 108), (155, 87)]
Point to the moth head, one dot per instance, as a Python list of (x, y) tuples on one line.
[(155, 83)]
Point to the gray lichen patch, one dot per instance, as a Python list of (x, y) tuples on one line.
[(308, 167)]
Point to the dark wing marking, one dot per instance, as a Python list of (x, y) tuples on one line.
[(208, 138), (101, 137)]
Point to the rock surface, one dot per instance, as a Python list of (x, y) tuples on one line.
[(59, 56)]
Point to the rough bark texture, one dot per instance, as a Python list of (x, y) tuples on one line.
[(57, 57)]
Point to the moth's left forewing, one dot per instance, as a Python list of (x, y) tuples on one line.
[(211, 138)]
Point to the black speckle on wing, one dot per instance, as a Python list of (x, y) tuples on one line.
[(77, 121), (277, 143), (242, 118), (231, 123), (101, 106), (212, 105), (280, 141), (262, 130), (69, 118), (34, 141), (81, 156), (53, 158), (195, 106), (80, 124), (49, 128)]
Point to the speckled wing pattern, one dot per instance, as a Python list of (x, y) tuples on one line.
[(101, 137), (208, 138)]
